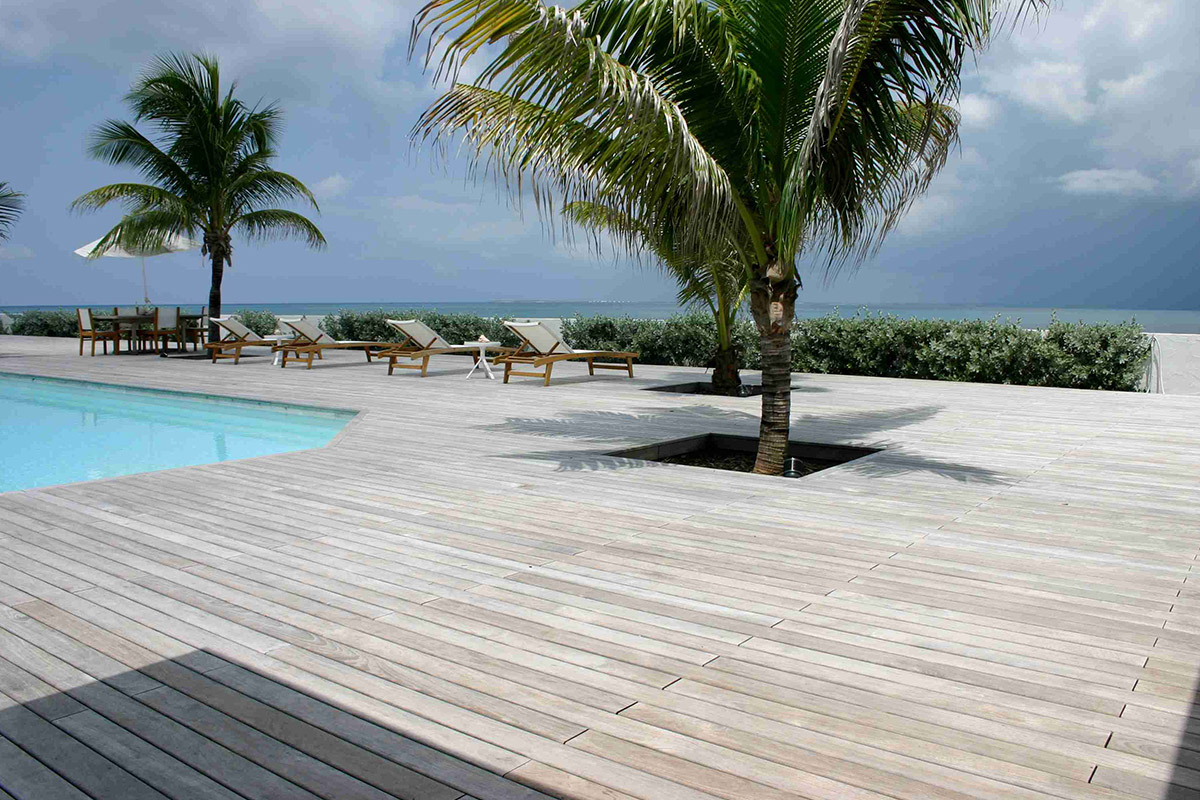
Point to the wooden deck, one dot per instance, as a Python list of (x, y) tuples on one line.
[(464, 597)]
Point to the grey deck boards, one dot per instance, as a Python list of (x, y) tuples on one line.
[(464, 598)]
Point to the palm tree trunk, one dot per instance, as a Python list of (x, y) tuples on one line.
[(725, 377), (218, 250), (773, 305)]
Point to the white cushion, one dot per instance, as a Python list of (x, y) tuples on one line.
[(235, 327), (540, 337), (424, 335), (310, 331), (552, 324)]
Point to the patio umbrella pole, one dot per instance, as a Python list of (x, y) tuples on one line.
[(145, 286)]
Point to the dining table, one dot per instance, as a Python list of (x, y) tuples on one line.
[(137, 320)]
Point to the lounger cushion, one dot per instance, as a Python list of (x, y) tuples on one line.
[(422, 334), (541, 338), (234, 326), (310, 331)]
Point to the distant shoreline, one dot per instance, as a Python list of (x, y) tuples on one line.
[(1152, 320)]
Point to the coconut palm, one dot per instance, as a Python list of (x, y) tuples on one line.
[(12, 203), (798, 127), (208, 160), (714, 280)]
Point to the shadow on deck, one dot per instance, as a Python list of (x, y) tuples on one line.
[(632, 428), (201, 726)]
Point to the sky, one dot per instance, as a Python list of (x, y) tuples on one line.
[(1077, 183)]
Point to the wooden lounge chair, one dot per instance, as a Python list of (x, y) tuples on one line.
[(311, 342), (421, 343), (87, 331), (234, 337), (542, 347)]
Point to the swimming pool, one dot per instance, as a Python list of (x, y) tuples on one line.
[(56, 431)]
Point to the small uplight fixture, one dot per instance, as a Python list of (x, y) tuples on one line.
[(791, 468)]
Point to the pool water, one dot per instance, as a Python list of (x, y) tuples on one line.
[(55, 431)]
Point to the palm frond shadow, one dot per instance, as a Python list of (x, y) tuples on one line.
[(202, 709), (594, 425), (896, 461), (620, 428)]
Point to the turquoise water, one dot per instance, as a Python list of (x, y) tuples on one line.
[(54, 432), (1153, 320)]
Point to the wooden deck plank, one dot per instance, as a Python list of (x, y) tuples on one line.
[(29, 779), (464, 597), (70, 758)]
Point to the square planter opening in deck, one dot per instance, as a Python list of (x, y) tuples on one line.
[(736, 453), (706, 387)]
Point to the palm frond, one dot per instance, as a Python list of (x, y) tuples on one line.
[(569, 119), (12, 203), (777, 128), (145, 231), (121, 144), (257, 187), (712, 278), (274, 223), (133, 195)]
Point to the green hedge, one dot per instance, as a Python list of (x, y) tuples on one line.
[(46, 323), (261, 322), (1080, 356), (369, 326), (64, 323)]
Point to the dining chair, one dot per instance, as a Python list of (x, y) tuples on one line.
[(88, 331), (128, 330), (165, 326), (196, 330)]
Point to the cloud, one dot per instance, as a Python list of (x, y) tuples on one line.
[(1106, 182), (1193, 175), (297, 50), (930, 214), (332, 187), (1131, 87), (421, 204), (1057, 89), (939, 210), (978, 110), (15, 253)]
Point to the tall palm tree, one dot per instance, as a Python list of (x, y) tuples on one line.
[(714, 280), (12, 203), (208, 161), (799, 127)]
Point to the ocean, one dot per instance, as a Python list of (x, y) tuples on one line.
[(1152, 320)]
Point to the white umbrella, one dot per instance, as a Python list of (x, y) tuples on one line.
[(173, 244)]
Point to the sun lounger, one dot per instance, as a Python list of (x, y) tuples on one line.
[(422, 342), (542, 347), (311, 342), (234, 337)]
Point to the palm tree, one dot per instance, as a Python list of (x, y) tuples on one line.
[(715, 281), (208, 163), (12, 203), (798, 127)]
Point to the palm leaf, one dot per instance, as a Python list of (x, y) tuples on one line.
[(12, 203), (273, 223)]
